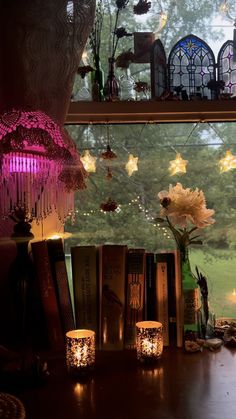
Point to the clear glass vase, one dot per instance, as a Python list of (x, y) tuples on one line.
[(81, 91), (191, 304), (127, 85), (111, 88)]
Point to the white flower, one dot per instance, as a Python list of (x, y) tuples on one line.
[(184, 206)]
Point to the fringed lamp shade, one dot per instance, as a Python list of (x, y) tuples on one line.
[(39, 170)]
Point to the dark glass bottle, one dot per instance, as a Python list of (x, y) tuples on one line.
[(97, 81), (190, 298)]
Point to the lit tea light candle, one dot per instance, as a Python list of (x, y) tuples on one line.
[(80, 351), (149, 340)]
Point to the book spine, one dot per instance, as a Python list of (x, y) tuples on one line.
[(59, 272), (150, 302), (84, 275), (179, 300), (162, 297), (112, 268), (135, 294), (48, 294)]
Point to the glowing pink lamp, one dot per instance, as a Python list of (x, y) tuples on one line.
[(39, 168)]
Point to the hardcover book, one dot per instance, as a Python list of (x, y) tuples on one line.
[(45, 285), (112, 270), (60, 277), (178, 297), (85, 285), (150, 302), (135, 294), (162, 296), (166, 296)]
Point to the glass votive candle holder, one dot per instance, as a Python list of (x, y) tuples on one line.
[(80, 351), (149, 341)]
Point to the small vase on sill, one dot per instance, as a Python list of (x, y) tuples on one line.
[(83, 93), (97, 81), (127, 84), (111, 88)]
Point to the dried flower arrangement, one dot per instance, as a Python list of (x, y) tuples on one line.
[(109, 205), (118, 32), (142, 7), (124, 59), (83, 70)]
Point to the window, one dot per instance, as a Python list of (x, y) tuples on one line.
[(133, 223)]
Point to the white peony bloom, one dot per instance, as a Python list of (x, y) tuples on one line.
[(184, 206)]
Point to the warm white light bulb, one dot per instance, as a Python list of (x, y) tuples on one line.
[(132, 164), (178, 165), (228, 162)]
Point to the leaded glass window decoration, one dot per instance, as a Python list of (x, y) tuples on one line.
[(191, 66), (227, 67)]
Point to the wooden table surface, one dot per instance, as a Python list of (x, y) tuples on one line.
[(179, 386)]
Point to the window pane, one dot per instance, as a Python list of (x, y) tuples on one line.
[(133, 223)]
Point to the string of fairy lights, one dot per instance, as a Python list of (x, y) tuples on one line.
[(176, 166), (134, 202)]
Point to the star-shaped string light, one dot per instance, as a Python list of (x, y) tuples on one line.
[(132, 165), (178, 165), (89, 161), (228, 162)]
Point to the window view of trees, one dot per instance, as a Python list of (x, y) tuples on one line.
[(202, 145)]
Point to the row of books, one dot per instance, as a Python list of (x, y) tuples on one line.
[(113, 288)]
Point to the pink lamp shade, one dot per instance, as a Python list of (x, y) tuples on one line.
[(39, 168)]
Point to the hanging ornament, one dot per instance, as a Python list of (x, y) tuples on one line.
[(178, 165), (109, 174), (108, 154), (89, 161), (228, 162), (109, 206), (132, 165)]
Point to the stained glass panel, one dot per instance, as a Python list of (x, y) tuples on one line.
[(191, 66), (227, 67)]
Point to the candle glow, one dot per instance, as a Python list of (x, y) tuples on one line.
[(80, 350), (149, 340)]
